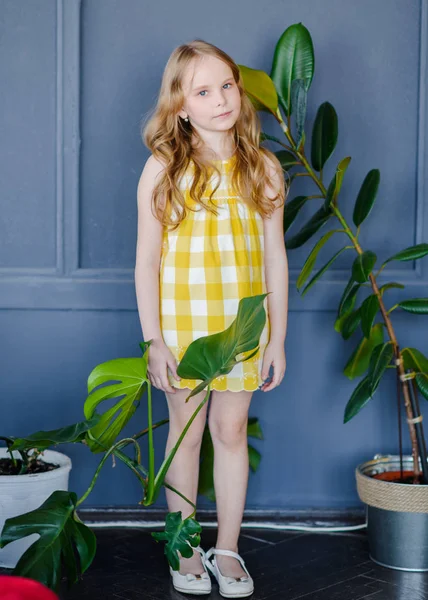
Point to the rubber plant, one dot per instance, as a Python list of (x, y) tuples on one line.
[(67, 546), (283, 94)]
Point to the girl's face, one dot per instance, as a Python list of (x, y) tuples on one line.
[(210, 90)]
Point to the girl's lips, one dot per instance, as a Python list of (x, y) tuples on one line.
[(223, 115)]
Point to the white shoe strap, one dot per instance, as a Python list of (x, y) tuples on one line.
[(228, 553)]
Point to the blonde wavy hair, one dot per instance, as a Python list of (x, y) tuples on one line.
[(169, 138)]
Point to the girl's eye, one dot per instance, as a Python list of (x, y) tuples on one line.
[(206, 90)]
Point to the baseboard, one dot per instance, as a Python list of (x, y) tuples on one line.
[(315, 517)]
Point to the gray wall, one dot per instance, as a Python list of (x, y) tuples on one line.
[(77, 77)]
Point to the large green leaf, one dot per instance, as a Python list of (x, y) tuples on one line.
[(265, 136), (292, 209), (310, 261), (414, 359), (350, 323), (324, 135), (312, 226), (206, 474), (293, 59), (211, 356), (391, 285), (360, 396), (62, 534), (260, 89), (349, 296), (360, 358), (381, 357), (366, 196), (422, 383), (287, 159), (322, 270), (363, 266), (368, 310), (299, 101), (41, 440), (410, 253), (415, 305), (181, 536), (132, 376)]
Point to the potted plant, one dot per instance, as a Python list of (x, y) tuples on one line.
[(66, 546), (394, 488)]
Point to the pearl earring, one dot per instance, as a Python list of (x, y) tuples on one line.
[(186, 118)]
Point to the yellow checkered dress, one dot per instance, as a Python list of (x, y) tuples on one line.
[(207, 265)]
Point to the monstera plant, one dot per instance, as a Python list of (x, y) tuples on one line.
[(362, 308), (63, 536)]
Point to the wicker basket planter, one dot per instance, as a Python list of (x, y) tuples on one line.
[(397, 514)]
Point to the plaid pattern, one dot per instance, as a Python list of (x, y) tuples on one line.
[(207, 264)]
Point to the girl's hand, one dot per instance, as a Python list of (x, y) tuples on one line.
[(275, 355), (160, 358)]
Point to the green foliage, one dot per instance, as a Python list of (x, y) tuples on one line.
[(62, 535), (380, 359), (366, 196), (368, 311), (360, 396), (71, 434), (260, 89), (181, 536), (350, 323), (415, 305), (324, 135), (292, 209), (322, 270), (410, 253), (315, 223), (363, 266), (360, 358), (293, 59), (209, 357), (131, 373), (299, 99)]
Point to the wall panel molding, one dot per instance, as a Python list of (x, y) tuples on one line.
[(68, 286)]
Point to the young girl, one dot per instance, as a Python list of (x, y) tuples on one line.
[(210, 232)]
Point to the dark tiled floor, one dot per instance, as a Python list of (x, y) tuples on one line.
[(285, 565)]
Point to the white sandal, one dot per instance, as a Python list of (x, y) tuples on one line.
[(191, 583), (230, 587)]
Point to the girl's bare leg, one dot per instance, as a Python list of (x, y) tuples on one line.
[(183, 473), (228, 419)]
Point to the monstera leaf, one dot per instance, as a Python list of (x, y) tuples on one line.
[(208, 357), (62, 534), (44, 439), (180, 536), (132, 376)]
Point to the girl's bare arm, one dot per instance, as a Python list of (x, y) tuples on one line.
[(148, 253), (147, 265)]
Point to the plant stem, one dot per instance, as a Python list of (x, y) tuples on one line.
[(150, 498), (118, 445), (151, 447)]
